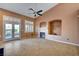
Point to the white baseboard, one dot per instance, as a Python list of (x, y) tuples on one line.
[(66, 42)]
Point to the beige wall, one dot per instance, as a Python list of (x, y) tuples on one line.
[(67, 13)]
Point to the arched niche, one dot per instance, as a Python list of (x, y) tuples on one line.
[(54, 27), (42, 24)]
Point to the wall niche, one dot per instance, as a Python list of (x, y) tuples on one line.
[(42, 24), (54, 27)]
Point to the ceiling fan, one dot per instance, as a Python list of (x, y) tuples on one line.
[(36, 13)]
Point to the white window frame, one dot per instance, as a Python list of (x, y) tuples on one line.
[(30, 26)]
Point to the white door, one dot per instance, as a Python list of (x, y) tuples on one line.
[(11, 28), (11, 31)]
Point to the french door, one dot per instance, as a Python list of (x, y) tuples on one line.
[(11, 28), (11, 31), (16, 30), (8, 31)]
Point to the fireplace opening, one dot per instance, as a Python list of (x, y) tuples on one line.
[(42, 34)]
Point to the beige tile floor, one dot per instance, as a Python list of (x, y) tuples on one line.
[(39, 47)]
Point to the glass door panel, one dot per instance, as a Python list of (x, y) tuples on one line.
[(8, 31), (11, 28), (16, 30)]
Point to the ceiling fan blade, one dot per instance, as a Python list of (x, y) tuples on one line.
[(31, 9), (39, 11), (40, 14)]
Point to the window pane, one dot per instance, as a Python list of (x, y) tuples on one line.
[(8, 31), (16, 30), (28, 26)]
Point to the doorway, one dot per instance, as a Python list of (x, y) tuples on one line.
[(11, 30)]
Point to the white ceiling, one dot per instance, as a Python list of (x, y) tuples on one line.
[(22, 8)]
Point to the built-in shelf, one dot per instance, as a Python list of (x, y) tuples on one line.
[(77, 14), (54, 27)]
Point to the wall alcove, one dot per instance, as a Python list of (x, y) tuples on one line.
[(42, 24), (54, 27)]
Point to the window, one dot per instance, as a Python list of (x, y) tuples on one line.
[(28, 26)]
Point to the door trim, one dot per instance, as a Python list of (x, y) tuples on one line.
[(3, 34)]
